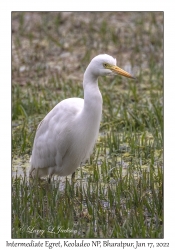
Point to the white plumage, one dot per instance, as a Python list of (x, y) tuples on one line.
[(66, 136)]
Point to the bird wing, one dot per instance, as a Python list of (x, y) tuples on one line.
[(52, 137)]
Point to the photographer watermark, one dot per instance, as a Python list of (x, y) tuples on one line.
[(51, 230)]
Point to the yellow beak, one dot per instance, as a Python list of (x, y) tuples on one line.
[(120, 71)]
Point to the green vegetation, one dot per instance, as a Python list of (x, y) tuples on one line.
[(119, 193)]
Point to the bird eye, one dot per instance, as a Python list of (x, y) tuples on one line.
[(105, 65)]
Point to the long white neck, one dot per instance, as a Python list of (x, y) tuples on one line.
[(89, 119), (92, 97)]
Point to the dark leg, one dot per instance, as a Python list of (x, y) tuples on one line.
[(49, 179), (73, 176)]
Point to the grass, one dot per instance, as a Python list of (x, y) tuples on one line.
[(119, 193)]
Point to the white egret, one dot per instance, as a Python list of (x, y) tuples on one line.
[(66, 136)]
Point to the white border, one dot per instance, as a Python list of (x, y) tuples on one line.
[(5, 96)]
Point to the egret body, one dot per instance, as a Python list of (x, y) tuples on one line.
[(66, 136)]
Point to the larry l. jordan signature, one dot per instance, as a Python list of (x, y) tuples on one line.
[(51, 230)]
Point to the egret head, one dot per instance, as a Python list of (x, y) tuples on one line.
[(106, 65)]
